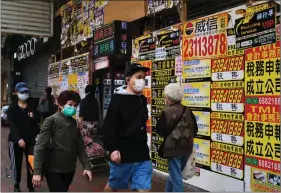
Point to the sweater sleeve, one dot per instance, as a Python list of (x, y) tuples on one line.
[(41, 145), (161, 125), (109, 130), (14, 130), (81, 152)]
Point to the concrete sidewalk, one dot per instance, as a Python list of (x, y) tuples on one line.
[(80, 184)]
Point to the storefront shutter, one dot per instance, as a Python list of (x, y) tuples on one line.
[(27, 17), (35, 74)]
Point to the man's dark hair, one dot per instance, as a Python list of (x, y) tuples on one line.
[(89, 89), (49, 90), (68, 95)]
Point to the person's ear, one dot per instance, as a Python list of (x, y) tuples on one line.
[(128, 80)]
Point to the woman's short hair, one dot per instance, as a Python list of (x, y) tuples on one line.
[(174, 92), (49, 90), (68, 95), (89, 89)]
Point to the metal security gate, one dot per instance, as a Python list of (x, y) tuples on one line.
[(27, 17), (35, 74)]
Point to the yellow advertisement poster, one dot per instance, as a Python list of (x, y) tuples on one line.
[(262, 140), (72, 81), (227, 159), (196, 69), (205, 37), (264, 181), (203, 122), (255, 81), (136, 47), (197, 94), (202, 147)]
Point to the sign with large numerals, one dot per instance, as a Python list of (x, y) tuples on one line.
[(205, 37), (228, 69), (227, 128), (227, 96), (227, 159)]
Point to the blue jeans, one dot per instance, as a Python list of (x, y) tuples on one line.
[(138, 175), (176, 165)]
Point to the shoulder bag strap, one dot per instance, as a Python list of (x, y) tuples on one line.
[(177, 121)]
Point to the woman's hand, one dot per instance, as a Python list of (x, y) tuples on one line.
[(36, 180), (21, 144), (116, 157), (87, 174)]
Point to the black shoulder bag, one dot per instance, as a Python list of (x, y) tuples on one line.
[(161, 148)]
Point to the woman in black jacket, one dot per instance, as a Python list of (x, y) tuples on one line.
[(89, 111), (23, 120)]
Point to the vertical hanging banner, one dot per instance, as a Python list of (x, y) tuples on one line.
[(99, 17), (205, 37), (262, 126), (53, 78)]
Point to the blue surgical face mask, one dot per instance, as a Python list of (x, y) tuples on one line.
[(69, 111), (23, 96)]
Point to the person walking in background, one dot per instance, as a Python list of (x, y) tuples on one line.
[(23, 119), (46, 104), (90, 112), (61, 137), (125, 136), (177, 125)]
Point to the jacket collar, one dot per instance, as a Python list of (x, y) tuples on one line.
[(174, 104)]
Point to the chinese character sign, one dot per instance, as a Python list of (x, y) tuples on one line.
[(205, 37), (262, 114)]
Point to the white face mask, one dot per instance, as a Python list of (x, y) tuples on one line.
[(139, 85), (23, 96)]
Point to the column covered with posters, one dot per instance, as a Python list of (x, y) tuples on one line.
[(230, 74), (262, 91), (69, 74)]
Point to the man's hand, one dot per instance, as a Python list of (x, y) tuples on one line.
[(30, 114), (21, 143), (116, 157), (87, 174), (36, 180)]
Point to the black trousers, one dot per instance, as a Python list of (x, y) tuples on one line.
[(16, 156), (59, 182)]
